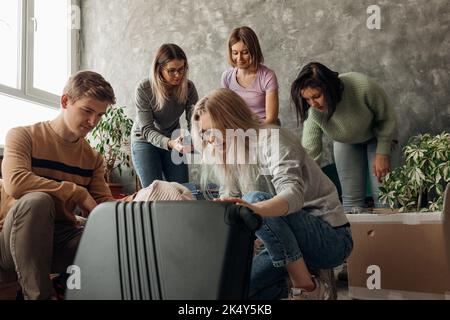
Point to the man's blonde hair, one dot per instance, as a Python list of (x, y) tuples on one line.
[(89, 84)]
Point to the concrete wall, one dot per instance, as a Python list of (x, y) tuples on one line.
[(409, 55)]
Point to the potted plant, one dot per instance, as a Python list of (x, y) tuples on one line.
[(111, 138), (419, 184), (409, 244)]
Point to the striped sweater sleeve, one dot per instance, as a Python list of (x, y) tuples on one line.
[(18, 179), (98, 188)]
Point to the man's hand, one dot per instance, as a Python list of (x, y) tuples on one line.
[(87, 206), (381, 166)]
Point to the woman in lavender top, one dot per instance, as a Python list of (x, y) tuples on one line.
[(249, 78)]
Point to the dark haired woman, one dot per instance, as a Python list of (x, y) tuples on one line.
[(249, 78), (355, 113), (160, 101)]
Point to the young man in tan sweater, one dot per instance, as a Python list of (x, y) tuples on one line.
[(49, 171)]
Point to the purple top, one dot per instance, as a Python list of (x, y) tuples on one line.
[(255, 94)]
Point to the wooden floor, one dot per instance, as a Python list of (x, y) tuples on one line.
[(8, 291)]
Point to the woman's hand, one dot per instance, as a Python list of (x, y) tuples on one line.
[(239, 202), (274, 207), (177, 145), (381, 166)]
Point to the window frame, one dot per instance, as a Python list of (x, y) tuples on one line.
[(25, 67)]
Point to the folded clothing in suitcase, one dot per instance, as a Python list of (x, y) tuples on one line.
[(166, 250)]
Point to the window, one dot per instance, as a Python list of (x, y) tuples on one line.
[(38, 53), (50, 44), (16, 112), (9, 33), (40, 49)]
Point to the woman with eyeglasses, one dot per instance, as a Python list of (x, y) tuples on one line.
[(304, 226), (249, 78), (160, 102)]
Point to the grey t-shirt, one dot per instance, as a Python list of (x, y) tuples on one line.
[(156, 126)]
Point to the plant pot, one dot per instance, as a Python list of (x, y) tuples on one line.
[(116, 190)]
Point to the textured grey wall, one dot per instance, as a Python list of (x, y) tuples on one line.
[(409, 56)]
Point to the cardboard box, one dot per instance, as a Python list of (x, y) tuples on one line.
[(410, 251)]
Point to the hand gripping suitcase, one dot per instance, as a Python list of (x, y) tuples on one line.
[(181, 250)]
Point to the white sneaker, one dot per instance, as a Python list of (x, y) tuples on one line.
[(321, 292)]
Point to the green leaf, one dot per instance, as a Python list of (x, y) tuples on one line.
[(426, 169), (111, 135)]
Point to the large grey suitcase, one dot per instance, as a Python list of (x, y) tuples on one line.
[(166, 250)]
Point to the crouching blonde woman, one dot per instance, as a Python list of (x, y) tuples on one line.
[(304, 225)]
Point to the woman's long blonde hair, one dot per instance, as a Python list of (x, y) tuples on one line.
[(227, 110), (161, 90)]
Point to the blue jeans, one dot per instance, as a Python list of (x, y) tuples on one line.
[(289, 238), (353, 162), (152, 162)]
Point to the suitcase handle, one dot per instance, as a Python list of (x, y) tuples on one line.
[(252, 221)]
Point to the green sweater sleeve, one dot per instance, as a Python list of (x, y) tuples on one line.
[(312, 139), (384, 124)]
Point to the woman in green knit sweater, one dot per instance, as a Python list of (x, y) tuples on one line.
[(355, 113)]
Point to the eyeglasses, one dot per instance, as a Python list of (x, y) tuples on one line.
[(173, 72)]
